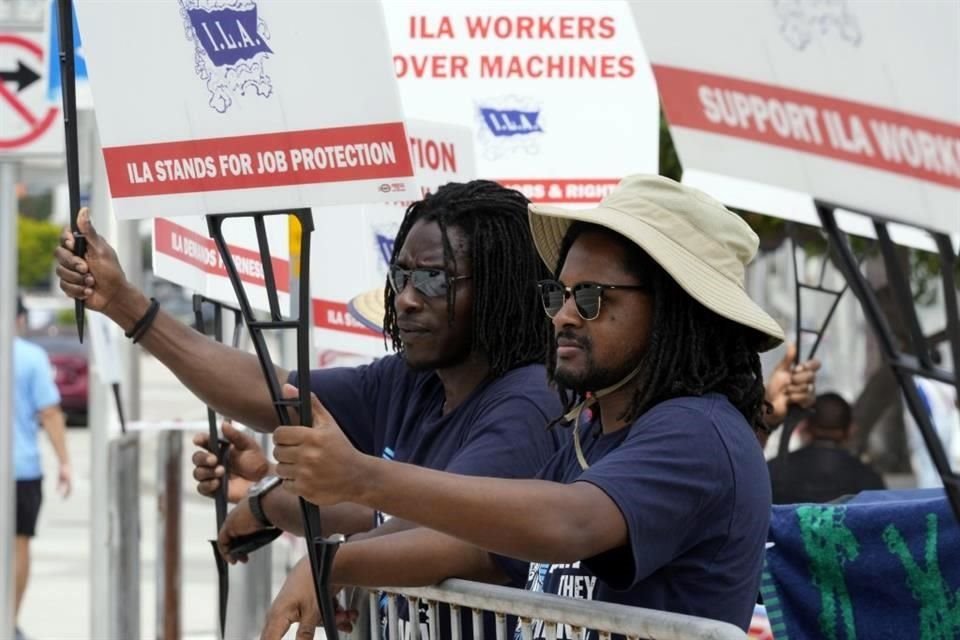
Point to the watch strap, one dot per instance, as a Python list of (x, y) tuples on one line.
[(255, 501)]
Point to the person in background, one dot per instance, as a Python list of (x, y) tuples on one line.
[(36, 404), (824, 469), (940, 402)]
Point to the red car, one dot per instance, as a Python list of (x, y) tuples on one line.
[(69, 359)]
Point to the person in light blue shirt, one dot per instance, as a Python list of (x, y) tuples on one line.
[(36, 403)]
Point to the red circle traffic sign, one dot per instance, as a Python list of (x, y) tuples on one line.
[(38, 124)]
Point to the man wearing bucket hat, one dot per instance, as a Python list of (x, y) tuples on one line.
[(661, 498)]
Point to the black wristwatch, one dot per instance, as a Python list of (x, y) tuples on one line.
[(255, 495)]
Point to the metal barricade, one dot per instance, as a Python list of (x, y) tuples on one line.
[(536, 611)]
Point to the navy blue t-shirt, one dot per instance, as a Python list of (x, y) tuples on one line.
[(391, 411), (691, 482)]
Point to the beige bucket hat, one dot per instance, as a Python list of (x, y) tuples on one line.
[(703, 245)]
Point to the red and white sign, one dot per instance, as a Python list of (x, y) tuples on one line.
[(184, 253), (558, 95), (29, 124), (351, 250), (218, 107), (853, 102)]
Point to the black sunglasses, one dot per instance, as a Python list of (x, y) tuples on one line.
[(586, 296), (429, 282)]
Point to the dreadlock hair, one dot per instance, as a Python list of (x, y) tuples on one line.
[(508, 323), (692, 350)]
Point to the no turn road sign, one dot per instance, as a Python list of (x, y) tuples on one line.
[(28, 120)]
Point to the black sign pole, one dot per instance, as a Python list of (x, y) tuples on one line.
[(219, 448), (69, 94), (796, 414)]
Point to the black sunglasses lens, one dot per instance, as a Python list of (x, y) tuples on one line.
[(397, 278), (430, 282), (587, 298), (551, 294)]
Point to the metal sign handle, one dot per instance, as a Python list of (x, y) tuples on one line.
[(903, 364), (320, 550), (796, 414), (218, 449)]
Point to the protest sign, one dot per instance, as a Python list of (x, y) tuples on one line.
[(184, 253), (856, 103), (558, 95), (221, 106)]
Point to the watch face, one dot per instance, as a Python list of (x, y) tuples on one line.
[(261, 485)]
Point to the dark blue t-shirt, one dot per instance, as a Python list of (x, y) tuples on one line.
[(691, 482), (391, 411)]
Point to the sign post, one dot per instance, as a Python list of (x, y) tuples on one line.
[(8, 284)]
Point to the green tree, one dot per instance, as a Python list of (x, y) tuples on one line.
[(669, 161), (36, 241)]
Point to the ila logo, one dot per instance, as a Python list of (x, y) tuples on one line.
[(384, 247), (230, 46), (511, 122), (804, 21), (507, 125)]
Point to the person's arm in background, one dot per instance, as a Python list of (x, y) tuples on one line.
[(249, 464), (198, 361), (44, 395), (789, 384), (53, 422)]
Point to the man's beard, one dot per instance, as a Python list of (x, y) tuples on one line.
[(592, 377)]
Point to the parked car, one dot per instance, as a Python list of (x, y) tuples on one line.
[(70, 360)]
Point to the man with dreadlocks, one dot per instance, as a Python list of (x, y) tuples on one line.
[(467, 392), (661, 498)]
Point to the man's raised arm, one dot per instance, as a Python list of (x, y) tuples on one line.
[(229, 380)]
